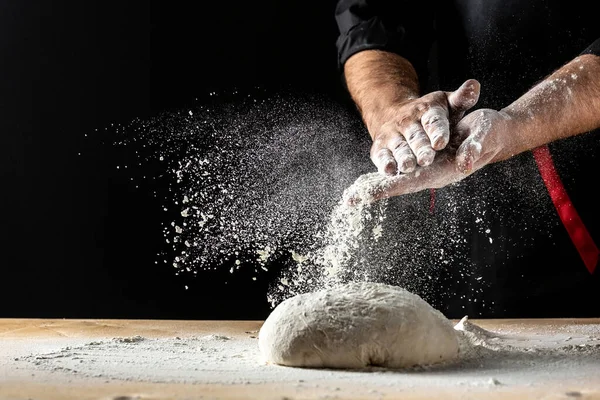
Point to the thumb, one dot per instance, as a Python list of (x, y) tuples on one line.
[(465, 97), (467, 155)]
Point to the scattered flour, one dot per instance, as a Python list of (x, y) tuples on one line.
[(486, 359), (243, 205), (254, 186), (336, 258)]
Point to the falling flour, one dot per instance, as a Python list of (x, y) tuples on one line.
[(352, 227)]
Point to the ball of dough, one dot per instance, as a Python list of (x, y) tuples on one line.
[(357, 325)]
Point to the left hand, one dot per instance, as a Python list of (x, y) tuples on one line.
[(480, 138)]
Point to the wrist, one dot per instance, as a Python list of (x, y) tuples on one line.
[(517, 127), (379, 81), (562, 105)]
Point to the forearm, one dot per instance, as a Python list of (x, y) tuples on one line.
[(565, 104), (377, 80)]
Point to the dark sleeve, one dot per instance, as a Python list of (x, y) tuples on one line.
[(594, 48), (399, 26)]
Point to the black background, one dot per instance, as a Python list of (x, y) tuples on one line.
[(77, 241)]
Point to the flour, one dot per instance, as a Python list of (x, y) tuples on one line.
[(515, 357), (133, 339), (254, 187), (354, 224), (246, 181), (477, 343), (342, 239)]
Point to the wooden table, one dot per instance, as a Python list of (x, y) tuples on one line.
[(21, 339)]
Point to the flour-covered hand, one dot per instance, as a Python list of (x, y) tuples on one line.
[(480, 138), (407, 135)]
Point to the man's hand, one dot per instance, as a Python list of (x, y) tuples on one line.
[(565, 104), (480, 138), (406, 129), (409, 133)]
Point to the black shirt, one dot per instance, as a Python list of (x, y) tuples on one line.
[(493, 244)]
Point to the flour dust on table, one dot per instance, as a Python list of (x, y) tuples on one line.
[(513, 355)]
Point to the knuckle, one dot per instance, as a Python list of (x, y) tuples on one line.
[(402, 122), (400, 146), (374, 150), (422, 107), (377, 143), (396, 141), (433, 119), (387, 127), (413, 134), (436, 97), (410, 116), (380, 154)]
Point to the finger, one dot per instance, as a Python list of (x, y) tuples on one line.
[(436, 126), (433, 176), (419, 143), (419, 180), (465, 97), (468, 154), (405, 159), (367, 188), (383, 159), (437, 175)]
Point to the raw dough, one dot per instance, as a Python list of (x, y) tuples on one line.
[(357, 325)]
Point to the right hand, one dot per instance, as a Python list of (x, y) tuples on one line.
[(409, 134)]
